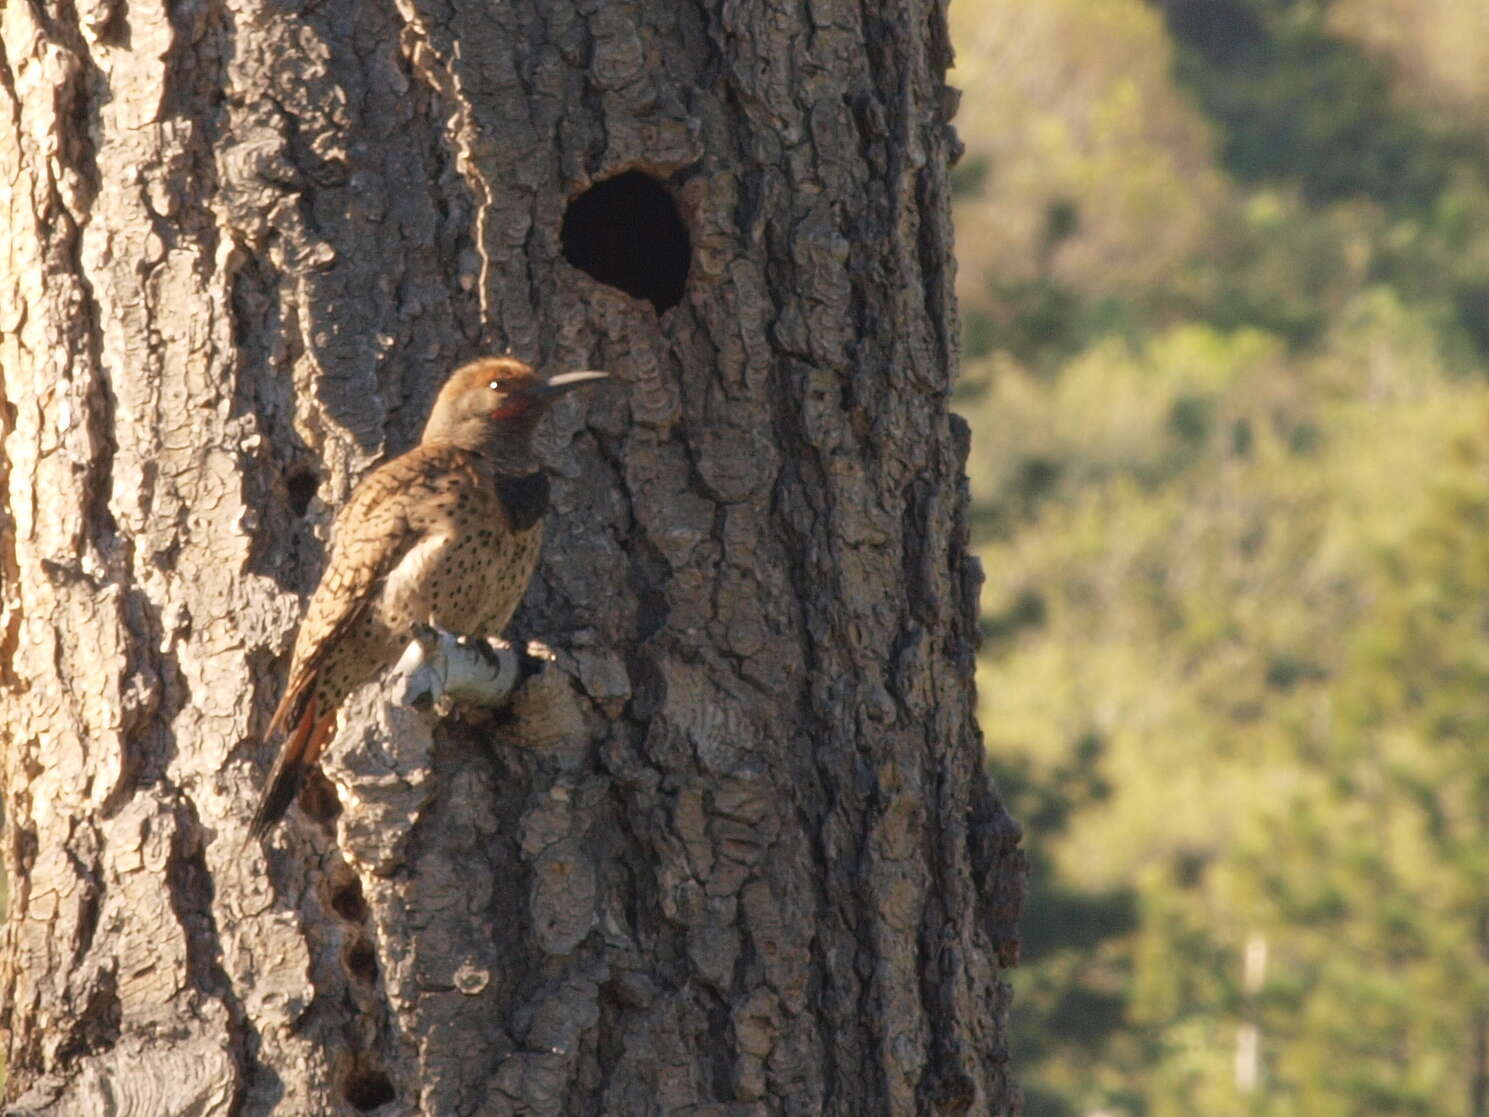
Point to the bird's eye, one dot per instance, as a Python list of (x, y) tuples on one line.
[(495, 385)]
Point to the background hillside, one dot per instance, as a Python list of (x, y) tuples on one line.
[(1224, 278)]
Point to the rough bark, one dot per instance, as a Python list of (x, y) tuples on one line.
[(245, 243)]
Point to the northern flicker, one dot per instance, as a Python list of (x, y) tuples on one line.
[(447, 534)]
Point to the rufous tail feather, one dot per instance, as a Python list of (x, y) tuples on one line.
[(299, 752)]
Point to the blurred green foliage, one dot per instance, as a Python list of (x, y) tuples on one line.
[(1231, 490)]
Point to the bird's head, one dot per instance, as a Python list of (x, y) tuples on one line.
[(492, 404)]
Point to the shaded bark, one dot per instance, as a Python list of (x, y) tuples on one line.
[(246, 242)]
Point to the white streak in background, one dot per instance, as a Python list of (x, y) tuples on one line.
[(1248, 1037)]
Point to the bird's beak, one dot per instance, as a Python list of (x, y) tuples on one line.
[(556, 386)]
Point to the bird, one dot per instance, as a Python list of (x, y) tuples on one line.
[(446, 534)]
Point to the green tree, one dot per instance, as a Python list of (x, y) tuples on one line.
[(1206, 464), (1375, 870)]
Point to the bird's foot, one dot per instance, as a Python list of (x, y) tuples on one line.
[(440, 669)]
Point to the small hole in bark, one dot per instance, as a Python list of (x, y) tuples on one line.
[(361, 960), (318, 799), (368, 1089), (625, 231), (347, 902), (301, 486)]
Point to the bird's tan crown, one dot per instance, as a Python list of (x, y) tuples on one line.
[(508, 372)]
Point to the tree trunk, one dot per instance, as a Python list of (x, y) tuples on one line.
[(246, 242)]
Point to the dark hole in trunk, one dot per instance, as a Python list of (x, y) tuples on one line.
[(369, 1089), (626, 231)]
